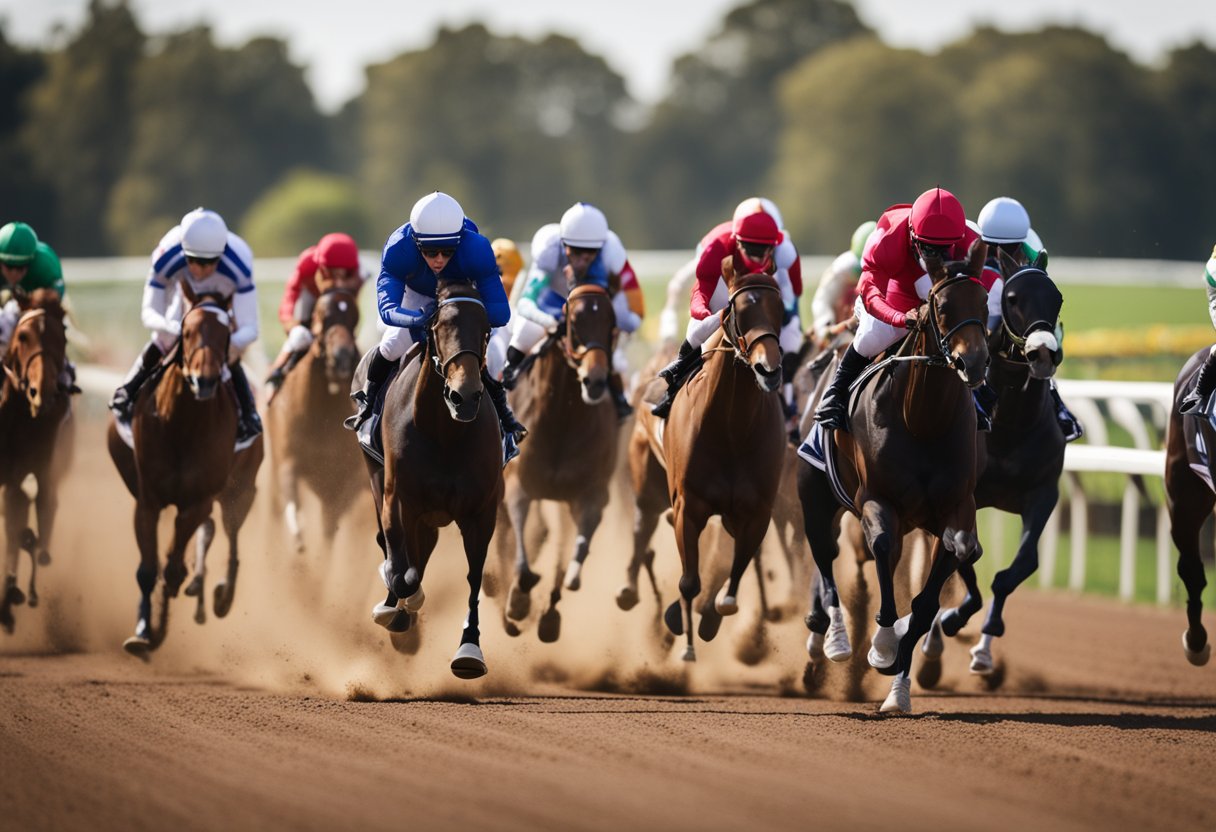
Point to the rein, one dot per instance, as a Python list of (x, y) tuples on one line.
[(1019, 341), (730, 324), (183, 360), (574, 355), (437, 361), (24, 377), (943, 339)]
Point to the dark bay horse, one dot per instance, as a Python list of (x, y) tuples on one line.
[(35, 439), (442, 464), (723, 449), (184, 431), (909, 463), (572, 452), (1019, 460), (307, 443), (1190, 502)]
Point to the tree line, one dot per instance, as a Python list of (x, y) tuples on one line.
[(107, 138)]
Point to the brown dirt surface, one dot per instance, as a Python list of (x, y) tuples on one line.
[(296, 713)]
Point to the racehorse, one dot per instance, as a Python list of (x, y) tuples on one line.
[(443, 458), (572, 452), (35, 438), (1189, 470), (184, 430), (723, 449), (909, 462), (1019, 460), (305, 417)]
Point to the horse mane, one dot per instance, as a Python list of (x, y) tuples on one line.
[(168, 390)]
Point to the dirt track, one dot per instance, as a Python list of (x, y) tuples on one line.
[(295, 713)]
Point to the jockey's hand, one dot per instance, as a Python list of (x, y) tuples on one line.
[(849, 323), (911, 319)]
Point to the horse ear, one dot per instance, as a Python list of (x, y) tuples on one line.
[(1040, 261), (12, 376), (976, 255)]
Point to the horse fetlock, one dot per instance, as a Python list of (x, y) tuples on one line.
[(690, 586), (627, 597)]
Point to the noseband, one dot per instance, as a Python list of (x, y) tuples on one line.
[(29, 315), (437, 361), (730, 325), (222, 314), (1038, 325), (575, 354), (943, 339)]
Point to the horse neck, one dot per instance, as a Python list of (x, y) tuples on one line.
[(732, 389), (1019, 394), (929, 393)]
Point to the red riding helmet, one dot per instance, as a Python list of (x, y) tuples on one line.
[(338, 251), (937, 218), (758, 227)]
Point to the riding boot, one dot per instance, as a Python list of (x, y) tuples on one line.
[(985, 401), (512, 431), (67, 379), (378, 370), (123, 400), (283, 365), (510, 370), (1069, 424), (616, 386), (1195, 403), (676, 373), (833, 408), (249, 424)]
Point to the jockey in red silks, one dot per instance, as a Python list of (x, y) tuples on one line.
[(333, 263), (751, 240), (894, 282)]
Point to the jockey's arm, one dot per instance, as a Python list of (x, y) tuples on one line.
[(245, 318), (626, 319), (529, 308), (876, 304), (152, 310), (389, 293), (494, 296), (709, 273)]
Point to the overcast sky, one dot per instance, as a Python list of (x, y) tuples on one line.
[(639, 38)]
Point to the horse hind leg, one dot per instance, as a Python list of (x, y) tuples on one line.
[(1190, 508), (194, 589), (29, 543), (821, 524), (234, 509), (880, 528), (590, 514), (954, 619), (469, 662), (519, 599), (688, 530)]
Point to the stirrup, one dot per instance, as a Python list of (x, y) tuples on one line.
[(362, 414)]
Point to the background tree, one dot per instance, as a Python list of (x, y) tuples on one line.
[(27, 196), (1187, 89), (304, 206)]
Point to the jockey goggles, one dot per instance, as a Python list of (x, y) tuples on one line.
[(202, 261), (437, 252)]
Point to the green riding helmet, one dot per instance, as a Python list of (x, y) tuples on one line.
[(860, 236), (18, 243)]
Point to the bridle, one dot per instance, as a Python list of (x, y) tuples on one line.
[(943, 339), (575, 354), (441, 364), (730, 322), (321, 325), (214, 308), (24, 377), (1038, 325)]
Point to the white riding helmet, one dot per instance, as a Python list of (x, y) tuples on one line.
[(1004, 220), (584, 226), (437, 220), (204, 234), (758, 203)]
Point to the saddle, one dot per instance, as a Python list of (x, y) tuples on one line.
[(1198, 454)]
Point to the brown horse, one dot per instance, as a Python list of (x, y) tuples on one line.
[(1190, 502), (573, 449), (723, 449), (35, 438), (442, 464), (305, 419), (909, 463), (184, 430)]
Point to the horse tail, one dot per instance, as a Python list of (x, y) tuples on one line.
[(168, 390)]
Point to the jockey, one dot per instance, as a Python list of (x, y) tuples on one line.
[(26, 264), (579, 249), (838, 287), (438, 243), (893, 284), (333, 263), (754, 236), (1195, 403), (1005, 226), (510, 263), (202, 254)]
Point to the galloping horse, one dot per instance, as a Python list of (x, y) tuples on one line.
[(442, 463), (184, 430), (34, 439), (573, 449), (1190, 466), (909, 463), (305, 419), (723, 447), (1019, 460)]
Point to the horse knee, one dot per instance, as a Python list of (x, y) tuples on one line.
[(690, 586)]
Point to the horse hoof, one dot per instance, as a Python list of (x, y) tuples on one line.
[(383, 614), (221, 600), (33, 599), (519, 603), (138, 646), (573, 576), (44, 558), (836, 645), (814, 646), (406, 643), (550, 627), (673, 617), (194, 587), (981, 661), (707, 630), (468, 663), (690, 655), (626, 598), (414, 602), (774, 615), (726, 604), (402, 622), (899, 700), (813, 676), (951, 622), (14, 597), (200, 615), (1197, 657), (930, 672), (510, 627)]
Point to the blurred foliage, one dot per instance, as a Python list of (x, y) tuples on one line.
[(108, 137), (303, 207)]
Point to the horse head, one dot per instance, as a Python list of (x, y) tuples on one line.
[(958, 309), (590, 331), (751, 324), (334, 321), (1030, 313), (206, 334), (37, 351), (457, 338)]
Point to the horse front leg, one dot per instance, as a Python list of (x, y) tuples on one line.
[(587, 517), (829, 636), (188, 520), (146, 637), (16, 511), (196, 587), (234, 509), (690, 518), (880, 528), (469, 662), (289, 490), (519, 599), (1192, 503)]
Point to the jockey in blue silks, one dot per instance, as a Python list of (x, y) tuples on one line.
[(438, 243)]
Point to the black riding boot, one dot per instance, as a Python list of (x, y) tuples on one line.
[(985, 400), (249, 424), (378, 370), (1070, 425), (512, 431), (833, 408), (510, 370), (123, 400), (1196, 402), (616, 386), (676, 373)]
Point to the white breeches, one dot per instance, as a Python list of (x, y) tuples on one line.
[(496, 351), (873, 336), (526, 334), (396, 342), (791, 337)]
